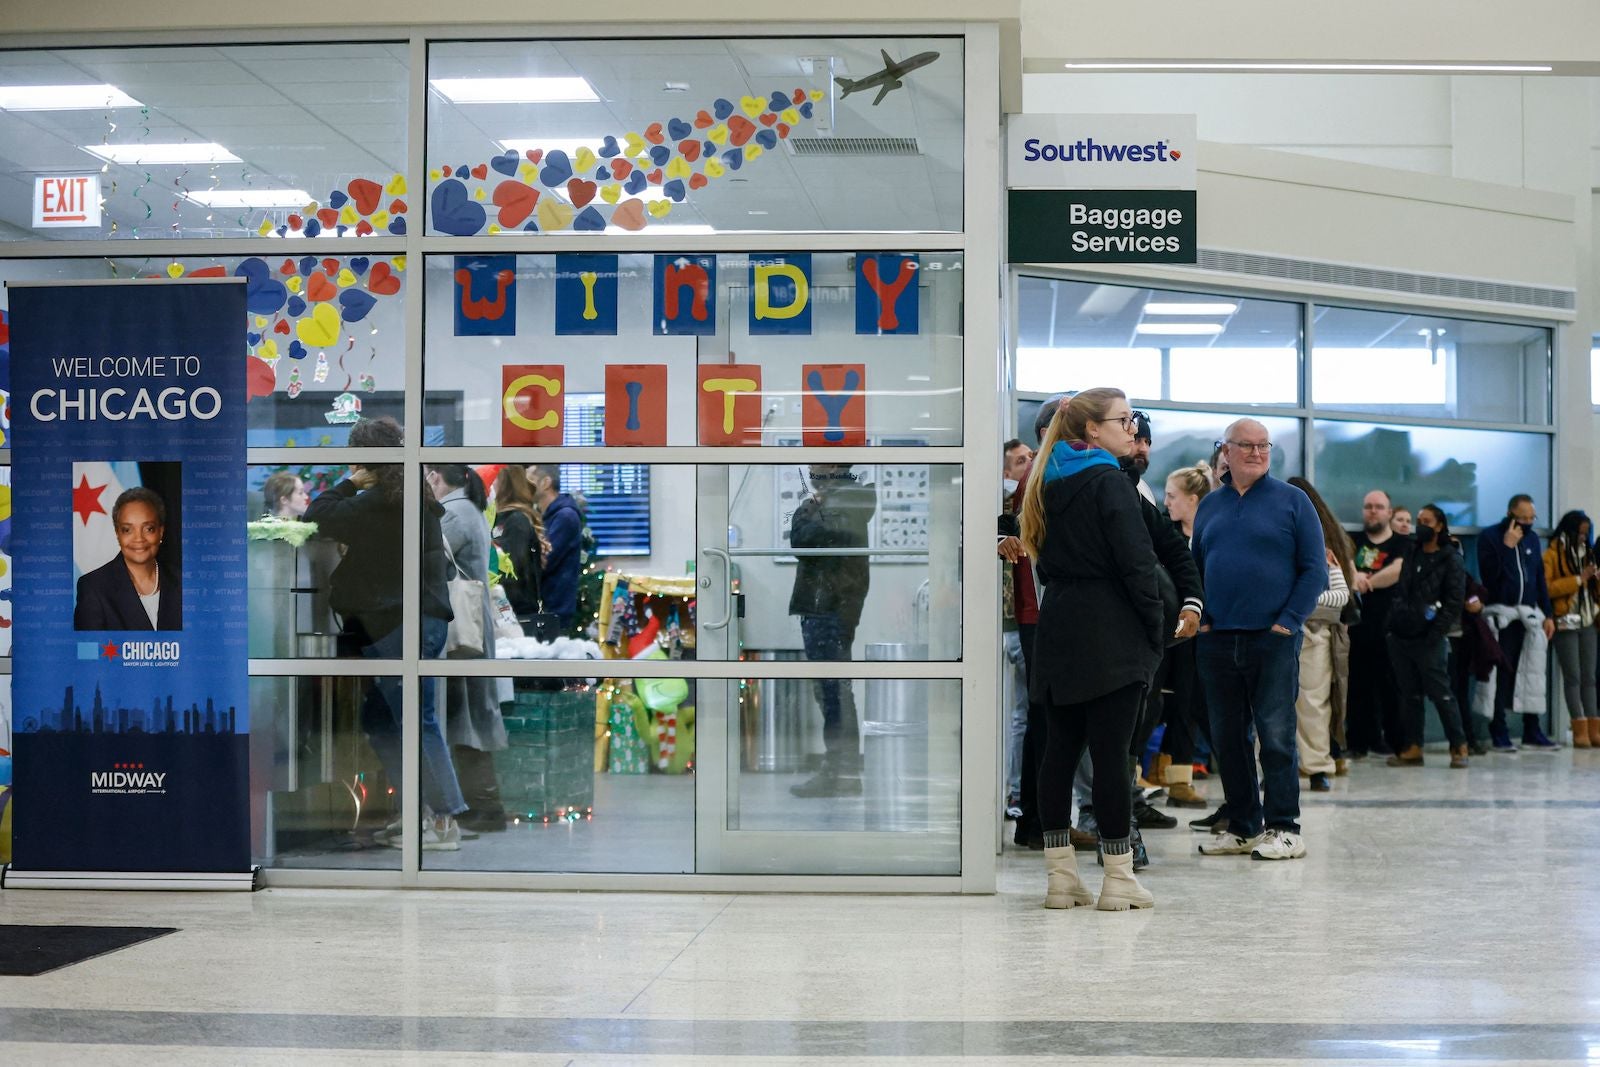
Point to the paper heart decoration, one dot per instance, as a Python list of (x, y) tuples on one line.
[(733, 159), (767, 118), (399, 263), (398, 226), (740, 129), (396, 186), (454, 212), (675, 191), (261, 379), (611, 194), (330, 265), (381, 280), (266, 228), (348, 216), (209, 272), (678, 168), (281, 326), (380, 218), (436, 174), (799, 96), (636, 183), (778, 101), (634, 142), (251, 339), (584, 160), (580, 192), (602, 174), (690, 150), (319, 288), (533, 155), (660, 208), (261, 322), (556, 170), (752, 105), (660, 154), (264, 294), (346, 278), (805, 109), (609, 149), (397, 207), (477, 194), (554, 215), (698, 181), (328, 217), (714, 169), (359, 264), (366, 193), (307, 264), (297, 350), (295, 307), (783, 129), (791, 116), (313, 227), (654, 177), (354, 304), (630, 215), (721, 108), (708, 148), (295, 285), (677, 129), (620, 169), (295, 222), (766, 139), (817, 94), (337, 199), (321, 328), (269, 351), (480, 172), (286, 267), (174, 270), (703, 120), (753, 151), (506, 163), (718, 135), (515, 201), (652, 133), (589, 220)]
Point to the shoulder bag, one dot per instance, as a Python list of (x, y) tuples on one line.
[(468, 597)]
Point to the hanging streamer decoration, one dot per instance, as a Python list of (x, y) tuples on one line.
[(107, 195), (138, 194)]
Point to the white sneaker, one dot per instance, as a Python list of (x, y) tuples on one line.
[(1279, 845), (437, 840), (1230, 844)]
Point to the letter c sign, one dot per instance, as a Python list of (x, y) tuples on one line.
[(531, 404)]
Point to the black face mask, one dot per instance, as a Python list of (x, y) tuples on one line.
[(1425, 535), (1527, 527)]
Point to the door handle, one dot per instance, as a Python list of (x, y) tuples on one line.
[(727, 589)]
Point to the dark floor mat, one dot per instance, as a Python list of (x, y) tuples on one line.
[(26, 951)]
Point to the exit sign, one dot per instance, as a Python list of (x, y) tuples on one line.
[(70, 200)]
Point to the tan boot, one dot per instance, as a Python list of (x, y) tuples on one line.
[(1063, 888), (1580, 733), (1121, 889), (1180, 790), (1594, 732)]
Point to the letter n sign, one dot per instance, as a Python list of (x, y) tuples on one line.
[(586, 295), (486, 296), (636, 404), (531, 404), (780, 294), (887, 300), (730, 403), (685, 296), (833, 404)]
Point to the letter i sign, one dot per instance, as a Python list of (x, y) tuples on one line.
[(887, 298)]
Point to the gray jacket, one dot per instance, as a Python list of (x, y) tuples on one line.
[(472, 705)]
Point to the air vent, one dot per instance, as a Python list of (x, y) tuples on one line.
[(831, 147), (1391, 281)]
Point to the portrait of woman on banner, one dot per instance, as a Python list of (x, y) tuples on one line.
[(134, 590)]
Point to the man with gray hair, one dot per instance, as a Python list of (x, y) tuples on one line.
[(1259, 546)]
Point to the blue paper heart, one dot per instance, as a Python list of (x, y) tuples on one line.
[(454, 210), (635, 183), (556, 170), (337, 200), (355, 303), (677, 129), (313, 227), (253, 339), (264, 294), (675, 190), (734, 158), (778, 102), (589, 219), (358, 265), (463, 172), (307, 265), (338, 231), (282, 230), (297, 350), (296, 307), (708, 149), (602, 174), (609, 148), (722, 108), (660, 154), (506, 164), (767, 139), (397, 225), (531, 227), (806, 109)]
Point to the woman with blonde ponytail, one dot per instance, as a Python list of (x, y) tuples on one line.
[(1099, 637)]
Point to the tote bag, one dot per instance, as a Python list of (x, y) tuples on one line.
[(465, 639)]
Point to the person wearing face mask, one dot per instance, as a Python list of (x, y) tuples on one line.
[(1015, 459), (1428, 601), (1511, 565)]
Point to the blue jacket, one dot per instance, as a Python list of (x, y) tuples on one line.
[(1261, 556), (563, 526), (1513, 575)]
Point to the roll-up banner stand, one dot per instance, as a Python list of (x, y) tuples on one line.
[(130, 673)]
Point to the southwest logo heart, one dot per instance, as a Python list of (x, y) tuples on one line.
[(515, 201), (382, 280), (740, 129), (1176, 154), (366, 193), (581, 192)]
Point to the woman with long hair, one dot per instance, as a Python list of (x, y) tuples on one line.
[(1570, 570), (518, 529), (1428, 601), (1101, 621), (1325, 655), (1179, 670)]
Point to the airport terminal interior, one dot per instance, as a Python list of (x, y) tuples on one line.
[(700, 355)]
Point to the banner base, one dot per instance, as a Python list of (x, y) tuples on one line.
[(159, 881)]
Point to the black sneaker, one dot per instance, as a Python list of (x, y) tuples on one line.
[(1150, 818), (1215, 823), (1141, 856), (1087, 822), (1320, 783)]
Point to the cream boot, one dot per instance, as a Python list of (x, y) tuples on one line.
[(1064, 889), (1121, 889)]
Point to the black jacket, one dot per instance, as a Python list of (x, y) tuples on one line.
[(107, 600), (1100, 623), (833, 585), (1428, 579), (366, 585), (1178, 579), (513, 533)]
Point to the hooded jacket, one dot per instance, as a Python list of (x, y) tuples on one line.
[(1100, 623), (563, 526), (833, 585)]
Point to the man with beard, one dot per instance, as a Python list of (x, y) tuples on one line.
[(1374, 724), (1138, 461)]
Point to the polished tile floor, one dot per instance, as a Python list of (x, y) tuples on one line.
[(1441, 917)]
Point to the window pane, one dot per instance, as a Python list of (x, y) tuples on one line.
[(1428, 365), (1468, 473), (695, 136), (1183, 438), (234, 141), (1156, 344), (1594, 373), (506, 335)]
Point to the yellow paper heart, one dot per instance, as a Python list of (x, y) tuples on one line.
[(585, 159), (269, 350), (717, 134), (553, 214), (174, 270), (494, 227), (321, 329), (527, 172), (435, 174), (752, 105), (347, 278), (265, 227), (477, 194), (752, 151), (261, 322), (380, 220), (611, 194), (348, 216), (399, 263), (295, 284), (817, 94), (679, 167), (396, 186), (714, 169), (659, 208), (790, 115), (634, 143)]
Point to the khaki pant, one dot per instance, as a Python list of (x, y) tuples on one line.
[(1314, 706)]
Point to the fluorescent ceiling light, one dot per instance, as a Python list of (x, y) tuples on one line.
[(158, 154), (250, 197), (516, 90), (1189, 329), (1159, 308), (569, 145), (1426, 68), (63, 97)]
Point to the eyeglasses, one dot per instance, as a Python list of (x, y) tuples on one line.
[(1129, 421), (1252, 448)]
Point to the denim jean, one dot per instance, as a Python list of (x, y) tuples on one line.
[(1017, 719), (827, 639), (1253, 676), (381, 713)]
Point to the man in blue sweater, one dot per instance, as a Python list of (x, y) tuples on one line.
[(563, 528), (1511, 565), (1259, 547)]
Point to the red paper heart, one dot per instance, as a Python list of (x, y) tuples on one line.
[(295, 222), (383, 281), (481, 171), (363, 228), (319, 288), (397, 207), (367, 194), (620, 168), (261, 379), (768, 118), (704, 121), (328, 217), (331, 266), (653, 133), (629, 215), (287, 267), (783, 129), (799, 97), (740, 129), (516, 202), (698, 181), (534, 155), (690, 150), (581, 192), (209, 272), (654, 177), (281, 327)]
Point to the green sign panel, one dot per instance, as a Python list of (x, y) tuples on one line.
[(1101, 226)]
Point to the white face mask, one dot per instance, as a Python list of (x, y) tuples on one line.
[(1011, 485)]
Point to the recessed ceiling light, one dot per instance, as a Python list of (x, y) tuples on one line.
[(1426, 68), (1186, 329), (1167, 308), (516, 90), (675, 87), (757, 212), (63, 97), (250, 197), (158, 154)]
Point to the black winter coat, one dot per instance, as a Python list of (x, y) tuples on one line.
[(514, 534), (833, 585), (1426, 579), (1100, 623)]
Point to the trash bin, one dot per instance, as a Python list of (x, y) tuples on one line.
[(776, 724), (894, 735)]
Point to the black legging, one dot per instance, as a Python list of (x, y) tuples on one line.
[(1105, 725), (1185, 705), (1032, 746)]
